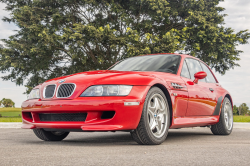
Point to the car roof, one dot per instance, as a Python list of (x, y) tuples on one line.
[(182, 55), (188, 56)]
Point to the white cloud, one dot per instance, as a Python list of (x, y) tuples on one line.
[(238, 14)]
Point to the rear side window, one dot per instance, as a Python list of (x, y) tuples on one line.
[(210, 78), (184, 70), (194, 67)]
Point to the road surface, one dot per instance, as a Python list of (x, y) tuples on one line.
[(194, 146)]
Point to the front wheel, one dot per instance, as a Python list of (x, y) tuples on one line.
[(225, 124), (50, 135), (155, 119)]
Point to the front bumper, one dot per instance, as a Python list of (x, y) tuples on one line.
[(126, 117)]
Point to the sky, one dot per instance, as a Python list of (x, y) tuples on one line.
[(236, 81)]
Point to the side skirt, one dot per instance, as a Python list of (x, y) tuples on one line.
[(194, 121)]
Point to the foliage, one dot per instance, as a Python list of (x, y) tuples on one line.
[(60, 37), (7, 103), (243, 109), (235, 110)]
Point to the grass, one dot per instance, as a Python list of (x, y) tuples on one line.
[(10, 109), (12, 112), (239, 118), (10, 119), (10, 115)]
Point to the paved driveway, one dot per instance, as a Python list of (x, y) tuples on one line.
[(195, 146)]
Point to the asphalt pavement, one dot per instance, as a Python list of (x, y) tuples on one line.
[(192, 146)]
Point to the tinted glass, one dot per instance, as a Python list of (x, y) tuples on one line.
[(194, 67), (210, 78), (184, 70), (161, 63)]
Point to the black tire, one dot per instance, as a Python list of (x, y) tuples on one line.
[(221, 128), (143, 135), (50, 135)]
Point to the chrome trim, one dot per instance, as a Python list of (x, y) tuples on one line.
[(45, 89), (70, 94), (177, 86), (131, 103), (174, 94)]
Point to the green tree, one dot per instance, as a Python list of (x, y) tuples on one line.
[(235, 110), (7, 103), (60, 37), (243, 109)]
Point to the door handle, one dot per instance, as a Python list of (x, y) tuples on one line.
[(211, 89)]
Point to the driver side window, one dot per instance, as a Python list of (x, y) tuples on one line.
[(194, 67)]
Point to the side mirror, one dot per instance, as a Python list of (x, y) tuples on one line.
[(199, 75)]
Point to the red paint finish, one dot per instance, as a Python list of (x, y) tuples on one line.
[(101, 127), (180, 103), (199, 103), (192, 105), (199, 75), (193, 121)]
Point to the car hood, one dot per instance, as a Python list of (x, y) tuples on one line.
[(104, 77), (107, 77)]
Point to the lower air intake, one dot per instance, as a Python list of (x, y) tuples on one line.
[(63, 117)]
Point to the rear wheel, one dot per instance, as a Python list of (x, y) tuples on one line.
[(225, 124), (155, 119), (50, 135)]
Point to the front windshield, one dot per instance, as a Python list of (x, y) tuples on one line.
[(162, 63)]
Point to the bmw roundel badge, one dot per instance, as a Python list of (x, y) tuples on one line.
[(61, 81)]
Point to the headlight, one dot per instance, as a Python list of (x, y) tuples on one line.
[(107, 90), (34, 94)]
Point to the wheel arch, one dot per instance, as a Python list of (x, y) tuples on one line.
[(230, 98), (167, 94)]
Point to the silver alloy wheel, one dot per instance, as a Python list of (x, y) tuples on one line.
[(228, 115), (157, 115)]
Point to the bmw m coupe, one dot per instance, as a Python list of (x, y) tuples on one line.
[(144, 95)]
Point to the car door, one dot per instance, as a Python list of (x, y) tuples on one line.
[(199, 103), (211, 87)]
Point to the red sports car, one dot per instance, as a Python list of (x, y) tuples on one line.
[(145, 95)]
